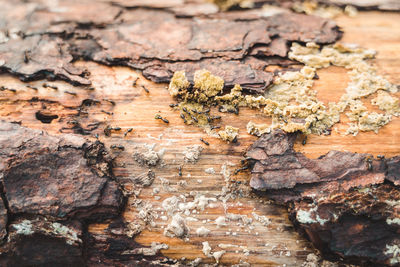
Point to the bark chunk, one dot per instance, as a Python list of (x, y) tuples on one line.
[(57, 176), (347, 204)]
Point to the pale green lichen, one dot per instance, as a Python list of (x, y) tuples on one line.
[(394, 252), (304, 216), (393, 221), (69, 234), (24, 228)]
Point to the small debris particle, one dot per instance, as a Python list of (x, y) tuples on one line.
[(106, 112), (177, 227), (202, 231), (70, 93), (112, 102), (204, 141), (148, 157), (32, 87), (145, 89), (158, 117), (210, 171), (135, 81), (192, 153), (128, 131), (120, 147), (220, 221), (45, 85), (218, 254), (206, 249)]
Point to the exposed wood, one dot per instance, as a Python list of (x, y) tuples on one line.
[(135, 108)]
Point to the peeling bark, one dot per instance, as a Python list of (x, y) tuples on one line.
[(146, 37), (346, 203), (52, 187)]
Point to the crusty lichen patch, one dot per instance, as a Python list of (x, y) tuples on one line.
[(387, 103), (394, 252), (311, 7), (178, 83), (229, 134), (226, 4), (364, 81), (291, 101)]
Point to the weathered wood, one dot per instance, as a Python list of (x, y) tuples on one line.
[(134, 108)]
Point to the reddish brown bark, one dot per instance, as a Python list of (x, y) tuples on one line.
[(46, 41), (345, 202)]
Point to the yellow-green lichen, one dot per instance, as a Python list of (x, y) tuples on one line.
[(226, 4), (178, 83), (322, 10), (229, 134), (207, 85), (291, 101), (387, 103), (257, 129)]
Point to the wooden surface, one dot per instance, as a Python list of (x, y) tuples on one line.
[(136, 109)]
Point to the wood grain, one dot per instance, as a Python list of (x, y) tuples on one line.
[(136, 109)]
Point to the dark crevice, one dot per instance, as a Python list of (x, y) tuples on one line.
[(45, 118)]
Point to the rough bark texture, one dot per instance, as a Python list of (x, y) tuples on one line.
[(40, 40), (52, 187), (346, 203), (385, 5)]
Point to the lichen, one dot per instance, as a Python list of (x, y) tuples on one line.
[(229, 134), (387, 103), (178, 83), (192, 153), (24, 228), (314, 8), (291, 101), (207, 85), (227, 4), (177, 227), (394, 252), (257, 129), (69, 234)]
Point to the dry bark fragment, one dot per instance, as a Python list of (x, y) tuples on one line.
[(53, 186), (155, 40), (56, 176), (345, 202)]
